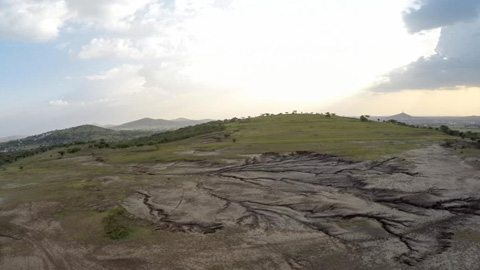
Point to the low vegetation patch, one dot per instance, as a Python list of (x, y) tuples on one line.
[(73, 150), (114, 225), (468, 235), (473, 136)]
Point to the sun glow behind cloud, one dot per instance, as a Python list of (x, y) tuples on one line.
[(216, 59), (301, 51)]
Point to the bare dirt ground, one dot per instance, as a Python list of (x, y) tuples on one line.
[(303, 210)]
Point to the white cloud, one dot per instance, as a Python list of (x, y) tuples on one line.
[(115, 83), (110, 14), (41, 20), (58, 102), (127, 48), (157, 32), (32, 20), (110, 48)]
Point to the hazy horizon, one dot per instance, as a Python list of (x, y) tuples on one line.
[(66, 63), (106, 125)]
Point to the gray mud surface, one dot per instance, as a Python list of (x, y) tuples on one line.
[(300, 210)]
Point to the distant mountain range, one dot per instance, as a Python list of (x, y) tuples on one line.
[(130, 130), (467, 122), (157, 124), (11, 138)]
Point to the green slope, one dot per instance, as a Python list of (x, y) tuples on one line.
[(235, 139), (347, 137)]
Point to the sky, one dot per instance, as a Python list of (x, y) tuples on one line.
[(70, 62)]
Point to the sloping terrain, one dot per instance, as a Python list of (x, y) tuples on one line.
[(277, 192)]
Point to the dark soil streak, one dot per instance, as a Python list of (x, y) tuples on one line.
[(10, 236), (161, 219)]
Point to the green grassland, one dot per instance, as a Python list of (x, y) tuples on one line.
[(72, 179), (346, 137)]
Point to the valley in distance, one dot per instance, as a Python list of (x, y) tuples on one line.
[(276, 191)]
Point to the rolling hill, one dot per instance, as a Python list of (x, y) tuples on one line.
[(76, 134), (346, 137)]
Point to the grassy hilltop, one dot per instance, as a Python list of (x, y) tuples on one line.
[(342, 136)]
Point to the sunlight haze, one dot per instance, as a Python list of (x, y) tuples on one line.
[(68, 62)]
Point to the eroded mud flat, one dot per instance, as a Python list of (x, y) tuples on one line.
[(301, 210), (402, 212)]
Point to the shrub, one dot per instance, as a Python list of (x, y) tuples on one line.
[(73, 150), (112, 224)]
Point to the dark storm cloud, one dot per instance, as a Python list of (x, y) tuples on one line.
[(437, 13), (457, 59), (433, 72)]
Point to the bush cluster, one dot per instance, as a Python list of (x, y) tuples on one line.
[(473, 136)]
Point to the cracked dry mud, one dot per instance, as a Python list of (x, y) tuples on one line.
[(303, 210), (409, 208)]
